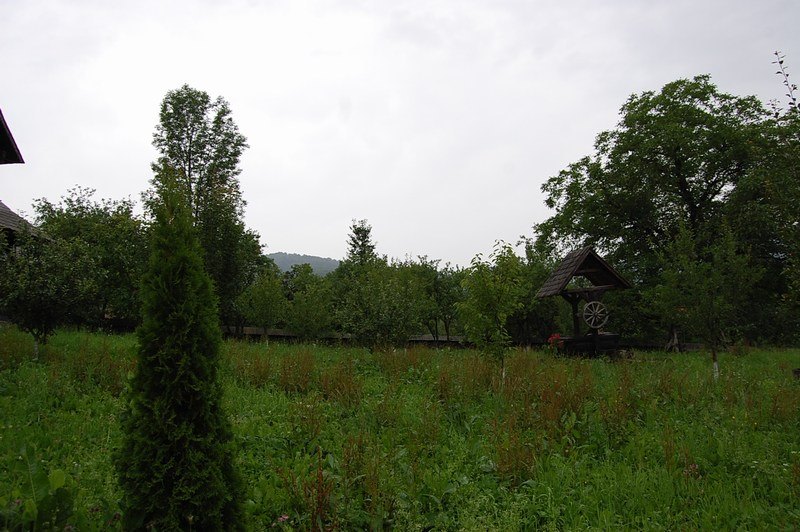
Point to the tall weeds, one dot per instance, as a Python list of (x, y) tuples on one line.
[(413, 439)]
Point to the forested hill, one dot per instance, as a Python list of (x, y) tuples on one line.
[(320, 265)]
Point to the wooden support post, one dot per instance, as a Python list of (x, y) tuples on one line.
[(573, 300)]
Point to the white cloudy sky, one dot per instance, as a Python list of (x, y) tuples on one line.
[(437, 121)]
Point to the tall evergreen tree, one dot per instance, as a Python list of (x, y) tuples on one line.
[(175, 463), (360, 247)]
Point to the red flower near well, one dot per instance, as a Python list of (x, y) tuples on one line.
[(555, 341)]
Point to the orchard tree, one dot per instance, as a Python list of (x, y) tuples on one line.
[(426, 274), (493, 290), (440, 291), (373, 301), (297, 279), (448, 293), (175, 463), (45, 283), (704, 289), (378, 307), (535, 319), (198, 139), (116, 240), (309, 305), (263, 304)]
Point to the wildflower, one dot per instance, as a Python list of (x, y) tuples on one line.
[(692, 471), (555, 341), (281, 519)]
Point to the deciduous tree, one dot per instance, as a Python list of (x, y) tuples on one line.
[(493, 292), (688, 156), (704, 290), (535, 319), (263, 303), (308, 295), (199, 139), (440, 291), (115, 239), (45, 283), (674, 158)]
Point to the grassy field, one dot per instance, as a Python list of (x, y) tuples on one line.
[(415, 439)]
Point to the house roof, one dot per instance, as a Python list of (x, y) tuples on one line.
[(583, 262), (11, 220), (9, 153)]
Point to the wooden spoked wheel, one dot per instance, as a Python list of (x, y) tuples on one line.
[(595, 314)]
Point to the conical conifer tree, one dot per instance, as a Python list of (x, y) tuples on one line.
[(175, 463)]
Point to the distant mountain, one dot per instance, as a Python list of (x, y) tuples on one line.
[(320, 265)]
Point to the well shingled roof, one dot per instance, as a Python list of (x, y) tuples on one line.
[(584, 262)]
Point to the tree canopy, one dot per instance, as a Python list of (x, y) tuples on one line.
[(116, 240), (687, 158), (200, 146), (674, 157)]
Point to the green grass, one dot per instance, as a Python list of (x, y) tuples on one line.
[(420, 438)]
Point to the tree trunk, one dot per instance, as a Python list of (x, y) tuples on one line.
[(716, 363), (673, 344), (433, 328)]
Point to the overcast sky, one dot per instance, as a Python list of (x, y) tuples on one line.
[(437, 121)]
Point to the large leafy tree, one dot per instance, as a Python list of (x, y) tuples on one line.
[(763, 214), (198, 138), (786, 189), (688, 156), (175, 464), (115, 239), (674, 157)]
